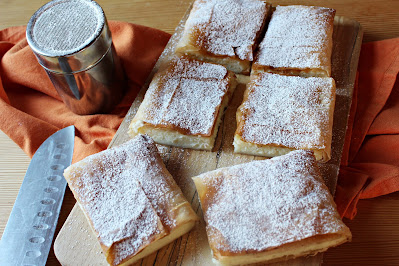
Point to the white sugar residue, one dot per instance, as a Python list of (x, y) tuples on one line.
[(194, 106), (288, 111), (156, 182), (193, 69), (113, 188), (265, 204), (106, 191), (297, 37), (188, 96), (227, 27), (66, 27)]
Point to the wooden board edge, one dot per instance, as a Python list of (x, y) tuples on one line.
[(353, 66), (120, 134)]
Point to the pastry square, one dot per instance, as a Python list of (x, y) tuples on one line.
[(283, 113), (130, 199), (184, 104), (269, 210), (224, 32), (298, 41)]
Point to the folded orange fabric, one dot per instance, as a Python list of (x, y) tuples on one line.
[(370, 163), (31, 109)]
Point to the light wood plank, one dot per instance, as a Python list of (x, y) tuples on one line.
[(380, 18), (375, 233), (13, 165), (375, 240)]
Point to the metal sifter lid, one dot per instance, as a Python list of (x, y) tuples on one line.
[(69, 36)]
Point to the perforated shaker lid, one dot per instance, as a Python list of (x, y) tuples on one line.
[(74, 30)]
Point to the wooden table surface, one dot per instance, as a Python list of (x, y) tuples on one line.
[(376, 227)]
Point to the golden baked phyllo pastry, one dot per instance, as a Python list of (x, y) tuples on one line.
[(184, 104), (298, 41), (130, 199), (283, 113), (224, 32), (269, 210)]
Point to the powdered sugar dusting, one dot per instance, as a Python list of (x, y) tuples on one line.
[(297, 37), (156, 182), (187, 95), (126, 195), (66, 27), (287, 111), (227, 27), (264, 204)]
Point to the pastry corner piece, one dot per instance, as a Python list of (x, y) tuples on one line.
[(131, 201), (225, 32), (284, 113), (269, 210), (298, 41), (184, 104)]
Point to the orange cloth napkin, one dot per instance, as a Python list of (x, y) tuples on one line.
[(31, 109), (370, 162)]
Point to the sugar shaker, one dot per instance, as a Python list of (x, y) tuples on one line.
[(72, 42)]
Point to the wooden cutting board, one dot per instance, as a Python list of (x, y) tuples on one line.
[(77, 245)]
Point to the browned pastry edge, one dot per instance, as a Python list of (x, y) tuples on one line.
[(241, 117), (298, 248), (170, 127), (323, 71), (192, 50), (181, 214)]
